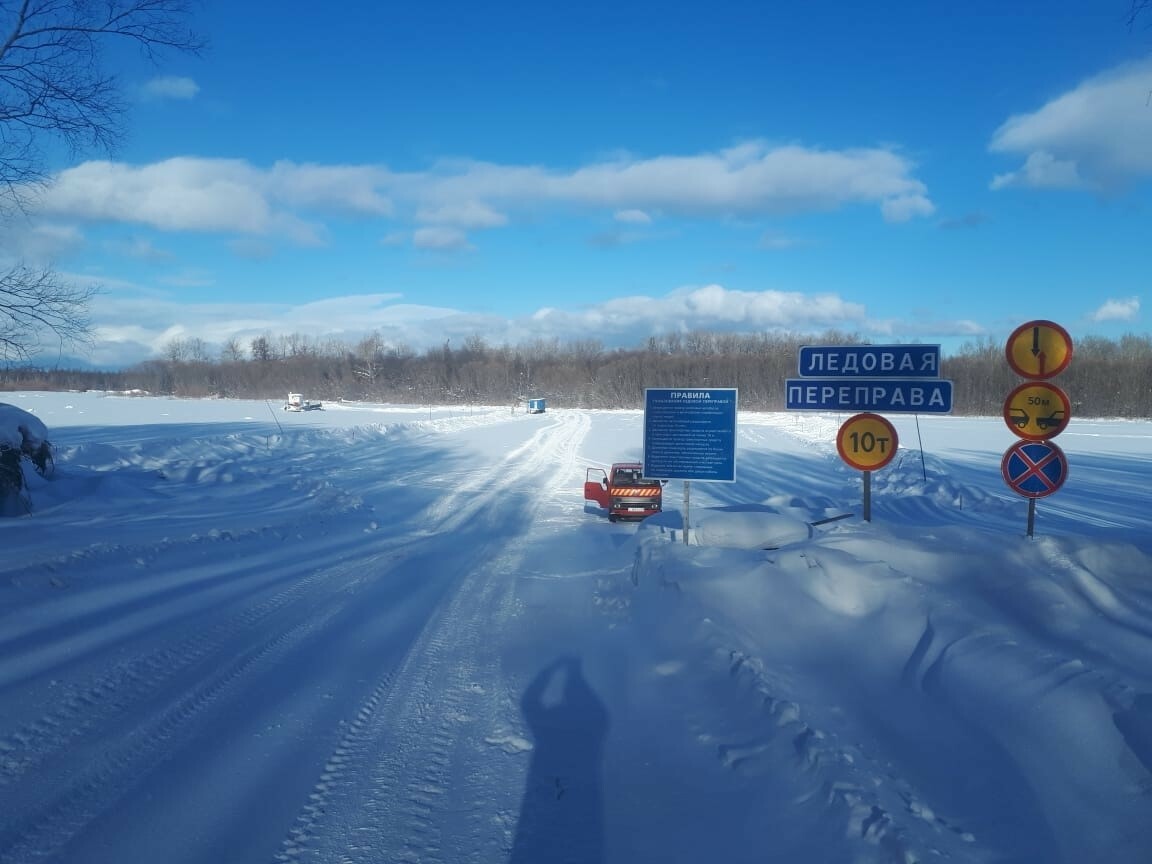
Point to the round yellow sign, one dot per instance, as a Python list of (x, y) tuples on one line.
[(867, 441), (1039, 349), (1037, 411)]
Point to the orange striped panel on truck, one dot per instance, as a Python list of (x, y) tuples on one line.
[(635, 491)]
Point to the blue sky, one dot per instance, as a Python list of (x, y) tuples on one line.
[(902, 171)]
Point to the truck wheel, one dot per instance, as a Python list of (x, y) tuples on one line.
[(611, 517)]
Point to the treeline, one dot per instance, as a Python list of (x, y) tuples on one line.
[(1107, 378)]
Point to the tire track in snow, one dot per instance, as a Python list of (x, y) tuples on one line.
[(57, 804), (555, 443), (163, 699), (412, 731), (112, 694), (64, 801), (386, 792), (335, 773)]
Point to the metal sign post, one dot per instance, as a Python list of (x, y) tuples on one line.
[(896, 379), (1034, 469), (1036, 411), (687, 495), (867, 442), (690, 434)]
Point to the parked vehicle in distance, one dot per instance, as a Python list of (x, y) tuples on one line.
[(624, 491), (297, 402)]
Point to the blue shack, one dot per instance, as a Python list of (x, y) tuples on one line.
[(535, 406)]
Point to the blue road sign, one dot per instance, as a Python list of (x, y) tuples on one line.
[(690, 433), (876, 395), (869, 361), (1034, 468)]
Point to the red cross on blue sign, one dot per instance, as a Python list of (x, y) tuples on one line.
[(1034, 468)]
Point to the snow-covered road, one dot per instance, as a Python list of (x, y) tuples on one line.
[(387, 634), (277, 680)]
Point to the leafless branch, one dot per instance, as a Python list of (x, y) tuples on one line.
[(54, 88), (52, 80), (38, 303)]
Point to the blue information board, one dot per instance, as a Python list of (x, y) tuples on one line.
[(878, 395), (869, 361), (690, 434)]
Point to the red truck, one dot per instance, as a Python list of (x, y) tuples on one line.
[(624, 491)]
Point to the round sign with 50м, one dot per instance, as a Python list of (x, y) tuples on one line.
[(867, 441), (1037, 410)]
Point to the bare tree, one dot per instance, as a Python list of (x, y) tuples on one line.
[(261, 349), (232, 351), (54, 87), (367, 357), (296, 345), (176, 350), (197, 350), (36, 302)]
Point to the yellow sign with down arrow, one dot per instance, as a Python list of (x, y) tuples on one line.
[(1039, 349)]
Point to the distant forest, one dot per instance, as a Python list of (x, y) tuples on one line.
[(1106, 378)]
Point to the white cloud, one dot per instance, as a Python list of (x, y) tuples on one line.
[(1126, 309), (252, 248), (351, 189), (905, 207), (142, 249), (632, 217), (133, 324), (463, 214), (170, 87), (708, 307), (1042, 170), (749, 179), (299, 231), (293, 200), (216, 195), (441, 238), (175, 195), (1095, 135), (189, 279), (39, 243)]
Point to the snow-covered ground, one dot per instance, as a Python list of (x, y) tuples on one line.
[(398, 634)]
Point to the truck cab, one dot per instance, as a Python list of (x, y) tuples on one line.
[(624, 491)]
